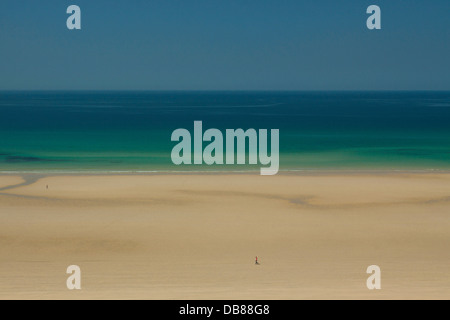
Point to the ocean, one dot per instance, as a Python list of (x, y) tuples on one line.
[(131, 131)]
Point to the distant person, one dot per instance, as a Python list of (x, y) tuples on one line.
[(256, 261)]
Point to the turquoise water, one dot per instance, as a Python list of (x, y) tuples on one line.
[(130, 131)]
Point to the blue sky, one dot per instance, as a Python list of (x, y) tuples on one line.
[(224, 45)]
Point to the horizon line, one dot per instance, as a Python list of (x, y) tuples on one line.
[(219, 90)]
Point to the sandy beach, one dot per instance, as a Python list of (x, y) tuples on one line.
[(196, 236)]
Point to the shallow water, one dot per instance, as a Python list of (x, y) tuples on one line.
[(130, 131)]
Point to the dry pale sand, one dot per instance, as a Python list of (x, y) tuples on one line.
[(196, 236)]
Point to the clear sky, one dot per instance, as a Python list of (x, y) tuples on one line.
[(225, 45)]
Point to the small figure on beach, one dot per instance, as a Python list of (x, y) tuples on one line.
[(47, 187), (256, 261)]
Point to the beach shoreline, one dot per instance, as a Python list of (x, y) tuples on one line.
[(292, 172), (195, 236)]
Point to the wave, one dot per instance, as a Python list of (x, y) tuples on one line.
[(149, 172)]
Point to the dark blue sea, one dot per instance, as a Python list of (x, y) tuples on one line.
[(131, 131)]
